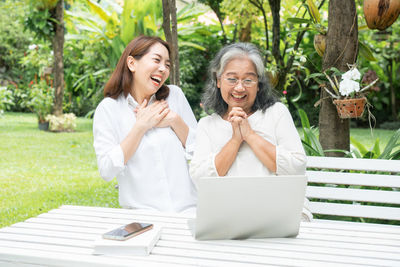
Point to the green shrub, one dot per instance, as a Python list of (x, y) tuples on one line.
[(14, 41), (41, 100), (6, 99), (391, 150)]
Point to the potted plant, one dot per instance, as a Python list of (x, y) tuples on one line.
[(347, 95), (41, 102)]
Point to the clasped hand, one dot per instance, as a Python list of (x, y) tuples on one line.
[(241, 129), (156, 114)]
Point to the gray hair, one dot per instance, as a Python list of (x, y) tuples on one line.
[(212, 99)]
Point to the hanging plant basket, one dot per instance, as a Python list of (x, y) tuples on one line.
[(350, 108)]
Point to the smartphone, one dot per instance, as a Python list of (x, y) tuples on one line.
[(128, 231)]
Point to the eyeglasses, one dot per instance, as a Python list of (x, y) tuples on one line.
[(245, 82)]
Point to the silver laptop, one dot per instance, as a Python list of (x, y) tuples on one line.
[(249, 207)]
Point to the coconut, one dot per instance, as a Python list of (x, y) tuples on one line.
[(380, 14), (320, 44)]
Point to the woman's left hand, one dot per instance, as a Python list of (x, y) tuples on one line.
[(245, 128), (177, 124), (169, 120)]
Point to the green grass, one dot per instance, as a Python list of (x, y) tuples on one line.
[(41, 170), (367, 139)]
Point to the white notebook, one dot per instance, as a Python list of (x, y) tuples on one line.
[(138, 245)]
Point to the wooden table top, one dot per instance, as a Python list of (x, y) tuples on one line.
[(65, 237)]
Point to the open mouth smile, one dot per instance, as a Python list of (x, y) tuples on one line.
[(156, 80), (238, 97)]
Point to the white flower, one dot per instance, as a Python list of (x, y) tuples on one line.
[(352, 74), (32, 46), (347, 86)]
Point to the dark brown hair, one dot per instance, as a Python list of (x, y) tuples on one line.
[(121, 79)]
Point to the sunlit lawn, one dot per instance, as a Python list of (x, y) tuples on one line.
[(41, 170)]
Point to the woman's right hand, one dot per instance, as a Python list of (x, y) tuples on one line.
[(235, 117), (149, 116)]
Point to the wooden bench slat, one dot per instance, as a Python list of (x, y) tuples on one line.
[(352, 226), (107, 210), (364, 195), (373, 212), (130, 216), (111, 221), (46, 258), (354, 164), (320, 236), (45, 247), (88, 252), (49, 233), (253, 255), (260, 247), (320, 241), (46, 240), (353, 178)]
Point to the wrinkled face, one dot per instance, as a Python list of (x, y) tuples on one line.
[(239, 84), (150, 71)]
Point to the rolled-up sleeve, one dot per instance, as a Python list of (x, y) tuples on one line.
[(110, 158), (290, 155), (202, 164)]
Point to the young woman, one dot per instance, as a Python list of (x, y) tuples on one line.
[(249, 131), (144, 130)]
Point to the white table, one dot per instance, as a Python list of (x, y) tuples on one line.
[(64, 237)]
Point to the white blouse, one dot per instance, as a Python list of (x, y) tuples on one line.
[(156, 176), (275, 125)]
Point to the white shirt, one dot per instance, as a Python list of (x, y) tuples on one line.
[(275, 125), (156, 176)]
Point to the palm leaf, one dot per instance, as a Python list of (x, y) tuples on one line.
[(96, 8), (298, 20), (365, 51), (314, 141), (312, 8), (361, 148), (390, 145), (376, 149)]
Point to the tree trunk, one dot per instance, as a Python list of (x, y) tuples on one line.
[(58, 47), (341, 49), (275, 6), (174, 45), (391, 72), (170, 21), (245, 32), (260, 5)]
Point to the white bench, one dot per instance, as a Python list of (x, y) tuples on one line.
[(367, 194)]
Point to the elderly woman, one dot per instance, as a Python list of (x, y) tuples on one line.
[(249, 132)]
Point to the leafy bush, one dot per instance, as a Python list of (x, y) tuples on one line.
[(390, 125), (391, 150), (310, 140), (13, 40), (63, 123), (6, 99), (41, 102)]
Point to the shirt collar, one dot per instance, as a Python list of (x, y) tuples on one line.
[(133, 104)]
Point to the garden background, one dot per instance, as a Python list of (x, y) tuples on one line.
[(41, 170)]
